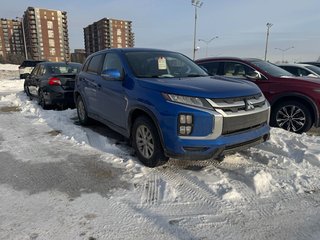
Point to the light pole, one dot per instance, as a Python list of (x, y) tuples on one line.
[(197, 4), (283, 51), (207, 43), (24, 38), (269, 25)]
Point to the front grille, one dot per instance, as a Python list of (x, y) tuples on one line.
[(244, 122), (233, 105), (242, 113)]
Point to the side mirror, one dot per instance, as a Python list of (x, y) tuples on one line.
[(312, 75), (111, 74), (25, 75), (255, 75)]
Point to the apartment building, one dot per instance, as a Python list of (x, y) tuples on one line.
[(11, 38), (79, 55), (46, 33), (108, 33)]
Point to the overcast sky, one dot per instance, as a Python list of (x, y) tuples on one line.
[(168, 24)]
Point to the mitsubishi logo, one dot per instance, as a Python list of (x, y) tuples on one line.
[(249, 105)]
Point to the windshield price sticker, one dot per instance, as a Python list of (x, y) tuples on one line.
[(162, 63)]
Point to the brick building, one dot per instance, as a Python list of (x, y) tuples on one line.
[(11, 38), (79, 55), (46, 33), (108, 33)]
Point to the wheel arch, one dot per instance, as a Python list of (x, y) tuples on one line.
[(142, 111), (308, 102)]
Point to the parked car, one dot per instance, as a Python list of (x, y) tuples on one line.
[(26, 67), (168, 106), (295, 101), (312, 63), (302, 70), (52, 83)]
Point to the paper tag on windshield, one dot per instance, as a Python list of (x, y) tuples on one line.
[(162, 63)]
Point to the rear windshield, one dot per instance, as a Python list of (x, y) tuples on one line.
[(29, 63), (64, 68), (314, 69), (270, 68), (162, 64)]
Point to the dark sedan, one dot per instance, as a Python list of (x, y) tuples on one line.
[(52, 84)]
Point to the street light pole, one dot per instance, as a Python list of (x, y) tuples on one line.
[(207, 43), (283, 51), (24, 37), (197, 4), (269, 25)]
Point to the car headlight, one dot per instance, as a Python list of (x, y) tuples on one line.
[(192, 101)]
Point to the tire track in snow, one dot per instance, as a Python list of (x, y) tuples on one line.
[(193, 189)]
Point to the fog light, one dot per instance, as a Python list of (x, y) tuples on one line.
[(182, 130), (185, 124), (189, 119), (188, 130), (182, 119)]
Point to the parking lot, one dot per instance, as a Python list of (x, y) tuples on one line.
[(59, 180)]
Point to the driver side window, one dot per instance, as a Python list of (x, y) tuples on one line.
[(112, 61), (239, 70)]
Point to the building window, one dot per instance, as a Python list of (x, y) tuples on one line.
[(51, 43), (50, 34), (52, 51), (50, 25)]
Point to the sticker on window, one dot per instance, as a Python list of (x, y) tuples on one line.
[(162, 63)]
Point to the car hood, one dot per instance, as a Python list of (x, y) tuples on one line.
[(205, 87), (301, 79)]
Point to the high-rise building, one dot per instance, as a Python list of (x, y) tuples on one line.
[(108, 33), (11, 38), (79, 55), (46, 33)]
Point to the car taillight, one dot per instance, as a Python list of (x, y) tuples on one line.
[(54, 81)]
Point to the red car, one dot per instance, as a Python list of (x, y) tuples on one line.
[(295, 101)]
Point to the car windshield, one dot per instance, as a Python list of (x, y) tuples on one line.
[(270, 68), (314, 69), (64, 68), (161, 64)]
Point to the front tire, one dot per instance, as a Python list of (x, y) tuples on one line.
[(146, 142), (292, 116)]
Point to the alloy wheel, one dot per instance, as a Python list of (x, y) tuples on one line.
[(291, 118), (144, 141), (81, 110)]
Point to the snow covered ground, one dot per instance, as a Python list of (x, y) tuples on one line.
[(59, 180)]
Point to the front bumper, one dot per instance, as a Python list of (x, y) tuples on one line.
[(215, 132)]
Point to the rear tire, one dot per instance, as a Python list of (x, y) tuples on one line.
[(41, 100), (146, 142), (26, 90), (82, 112), (292, 116)]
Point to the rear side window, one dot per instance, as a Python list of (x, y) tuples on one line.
[(95, 64), (211, 67), (292, 70)]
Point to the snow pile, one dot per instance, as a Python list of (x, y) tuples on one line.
[(9, 67), (263, 183)]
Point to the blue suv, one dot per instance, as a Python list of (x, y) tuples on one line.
[(168, 106)]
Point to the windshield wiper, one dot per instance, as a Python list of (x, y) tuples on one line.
[(196, 75)]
